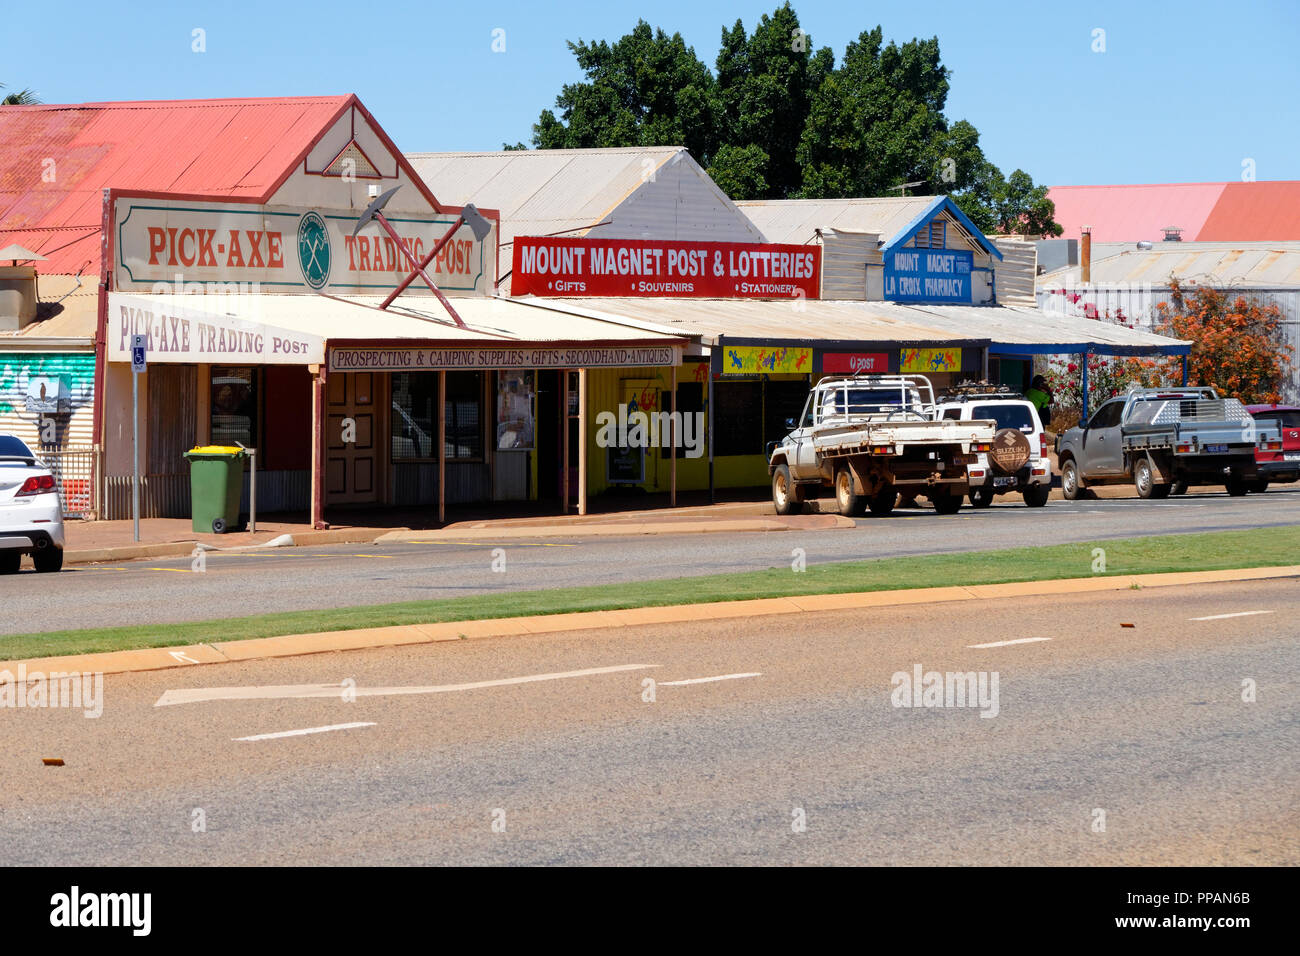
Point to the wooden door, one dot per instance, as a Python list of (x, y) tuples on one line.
[(352, 423)]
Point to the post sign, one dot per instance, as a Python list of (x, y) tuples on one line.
[(929, 275), (567, 266), (139, 345), (855, 363), (165, 245)]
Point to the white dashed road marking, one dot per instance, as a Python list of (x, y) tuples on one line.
[(1220, 617), (704, 680), (305, 731), (1019, 640), (292, 691)]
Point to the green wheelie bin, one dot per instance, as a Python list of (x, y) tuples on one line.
[(216, 483)]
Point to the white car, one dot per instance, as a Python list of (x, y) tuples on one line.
[(31, 515), (1018, 459)]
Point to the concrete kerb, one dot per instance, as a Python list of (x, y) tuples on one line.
[(292, 645), (174, 549)]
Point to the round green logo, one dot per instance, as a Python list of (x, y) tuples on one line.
[(314, 249)]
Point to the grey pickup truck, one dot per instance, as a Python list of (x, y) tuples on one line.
[(1162, 438)]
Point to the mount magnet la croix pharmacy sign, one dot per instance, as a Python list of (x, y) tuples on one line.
[(285, 249)]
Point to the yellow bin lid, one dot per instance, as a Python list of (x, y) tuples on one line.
[(216, 450)]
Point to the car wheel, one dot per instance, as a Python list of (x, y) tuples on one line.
[(906, 501), (1237, 487), (1145, 479), (9, 561), (882, 502), (1259, 486), (1036, 495), (981, 497), (783, 493), (1178, 488), (946, 503), (48, 559), (849, 501), (1070, 486)]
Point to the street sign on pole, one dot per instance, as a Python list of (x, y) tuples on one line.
[(139, 348)]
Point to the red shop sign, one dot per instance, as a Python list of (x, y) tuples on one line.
[(854, 363), (567, 266)]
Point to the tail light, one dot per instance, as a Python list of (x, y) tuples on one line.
[(882, 449), (980, 446), (1183, 449), (36, 485), (1271, 445), (1042, 444)]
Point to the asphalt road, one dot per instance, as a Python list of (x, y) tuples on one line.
[(286, 579), (1142, 728)]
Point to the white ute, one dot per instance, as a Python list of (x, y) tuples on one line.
[(869, 438), (31, 515)]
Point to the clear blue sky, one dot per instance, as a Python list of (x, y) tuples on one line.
[(1184, 92)]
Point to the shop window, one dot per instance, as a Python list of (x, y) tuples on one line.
[(784, 400), (234, 405), (690, 403), (738, 419), (415, 417)]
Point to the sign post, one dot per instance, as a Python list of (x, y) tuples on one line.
[(139, 346)]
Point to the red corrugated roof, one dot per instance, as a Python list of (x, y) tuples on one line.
[(1206, 212), (1249, 212), (57, 160)]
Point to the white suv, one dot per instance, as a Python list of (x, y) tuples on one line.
[(1018, 459), (31, 515)]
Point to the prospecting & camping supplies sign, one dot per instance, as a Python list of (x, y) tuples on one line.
[(560, 266)]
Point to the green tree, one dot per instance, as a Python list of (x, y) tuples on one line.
[(764, 83), (874, 121), (24, 97), (645, 89)]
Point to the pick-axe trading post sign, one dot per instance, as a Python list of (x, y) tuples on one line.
[(174, 245)]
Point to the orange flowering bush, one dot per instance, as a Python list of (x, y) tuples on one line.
[(1237, 344)]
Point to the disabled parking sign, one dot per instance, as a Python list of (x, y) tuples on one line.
[(138, 343)]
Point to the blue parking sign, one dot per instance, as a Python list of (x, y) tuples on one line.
[(138, 343)]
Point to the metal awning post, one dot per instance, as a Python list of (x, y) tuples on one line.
[(442, 446), (1084, 366), (672, 442), (1185, 358)]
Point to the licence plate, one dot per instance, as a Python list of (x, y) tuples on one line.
[(1292, 456), (1003, 482), (1216, 449), (964, 459)]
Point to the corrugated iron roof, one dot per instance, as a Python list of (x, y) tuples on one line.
[(541, 192), (1205, 212), (58, 158), (796, 221), (1264, 265), (883, 323)]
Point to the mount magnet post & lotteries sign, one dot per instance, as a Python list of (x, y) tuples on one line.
[(286, 249), (566, 266)]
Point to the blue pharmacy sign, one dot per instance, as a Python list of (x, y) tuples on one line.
[(928, 275)]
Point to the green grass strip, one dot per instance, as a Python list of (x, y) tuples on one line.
[(1262, 547)]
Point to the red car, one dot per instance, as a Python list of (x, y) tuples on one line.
[(1281, 465)]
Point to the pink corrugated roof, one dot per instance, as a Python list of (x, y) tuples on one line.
[(1131, 213), (57, 160)]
